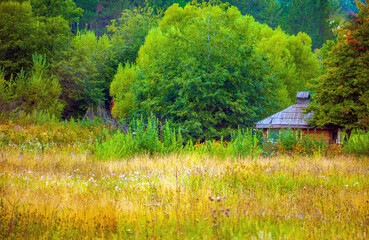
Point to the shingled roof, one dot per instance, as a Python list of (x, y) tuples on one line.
[(290, 117)]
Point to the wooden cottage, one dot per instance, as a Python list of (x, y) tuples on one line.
[(293, 117)]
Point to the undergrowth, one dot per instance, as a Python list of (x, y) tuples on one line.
[(39, 132)]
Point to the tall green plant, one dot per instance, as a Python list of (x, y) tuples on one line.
[(358, 143), (342, 92), (142, 137), (245, 143)]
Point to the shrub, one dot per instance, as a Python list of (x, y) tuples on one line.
[(313, 145), (288, 140), (293, 141), (358, 143)]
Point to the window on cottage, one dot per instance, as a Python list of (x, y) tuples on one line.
[(273, 135)]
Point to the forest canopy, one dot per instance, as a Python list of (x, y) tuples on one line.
[(211, 69), (208, 66)]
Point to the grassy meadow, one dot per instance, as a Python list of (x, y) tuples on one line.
[(75, 196), (53, 185)]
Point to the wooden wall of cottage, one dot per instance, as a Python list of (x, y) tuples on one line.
[(328, 135)]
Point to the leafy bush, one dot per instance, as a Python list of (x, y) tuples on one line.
[(358, 143), (5, 93), (288, 140), (312, 145), (294, 141), (212, 148)]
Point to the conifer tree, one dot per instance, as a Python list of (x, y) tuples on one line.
[(342, 92)]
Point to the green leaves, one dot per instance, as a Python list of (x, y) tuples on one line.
[(210, 69), (34, 92), (198, 70), (82, 72), (17, 28), (341, 92), (66, 9), (292, 62), (129, 32), (315, 17), (22, 34), (119, 89)]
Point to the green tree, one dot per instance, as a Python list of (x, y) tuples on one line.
[(129, 32), (200, 69), (291, 60), (36, 91), (164, 4), (22, 34), (342, 92), (17, 28), (99, 13), (123, 80), (264, 11), (66, 9), (51, 37), (82, 72), (6, 95), (314, 17)]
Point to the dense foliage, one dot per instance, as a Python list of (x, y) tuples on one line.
[(16, 49), (314, 17), (25, 31), (36, 91), (208, 84), (84, 72), (129, 32), (342, 92), (199, 69), (211, 69)]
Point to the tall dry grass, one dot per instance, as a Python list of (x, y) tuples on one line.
[(74, 196)]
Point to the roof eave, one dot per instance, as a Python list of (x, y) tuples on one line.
[(263, 126)]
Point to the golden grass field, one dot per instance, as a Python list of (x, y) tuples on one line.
[(76, 196)]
